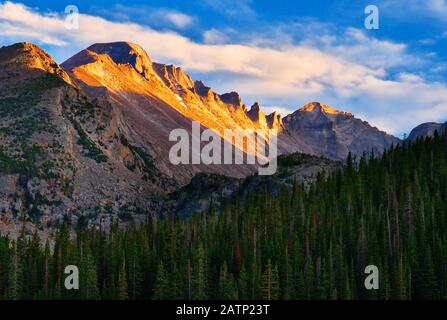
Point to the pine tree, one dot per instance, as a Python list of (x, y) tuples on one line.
[(227, 285), (242, 284), (161, 286), (270, 283), (123, 293), (15, 276), (309, 242), (88, 277), (199, 275)]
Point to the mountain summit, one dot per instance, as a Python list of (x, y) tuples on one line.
[(123, 73), (64, 155), (26, 60), (427, 129), (316, 107), (325, 131), (120, 53), (153, 99), (91, 137)]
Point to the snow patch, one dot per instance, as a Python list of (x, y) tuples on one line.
[(181, 101)]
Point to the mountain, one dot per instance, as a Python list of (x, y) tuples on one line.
[(154, 99), (387, 215), (426, 130), (257, 116), (205, 188), (87, 142), (123, 73), (327, 132), (62, 154), (274, 121), (90, 138)]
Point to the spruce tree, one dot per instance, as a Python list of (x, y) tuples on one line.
[(270, 283)]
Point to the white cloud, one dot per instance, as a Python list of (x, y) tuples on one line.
[(214, 36), (437, 6), (415, 9), (350, 72), (233, 8), (409, 77), (147, 15), (180, 20)]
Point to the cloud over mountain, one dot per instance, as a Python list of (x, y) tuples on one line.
[(351, 69)]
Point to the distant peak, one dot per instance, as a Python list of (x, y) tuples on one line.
[(200, 83), (319, 107), (427, 129)]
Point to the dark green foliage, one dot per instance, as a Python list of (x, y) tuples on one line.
[(23, 164), (23, 113), (301, 244), (20, 107), (295, 159), (161, 286), (91, 150), (147, 166)]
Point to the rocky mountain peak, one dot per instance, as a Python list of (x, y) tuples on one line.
[(426, 130), (173, 76), (27, 60), (255, 108), (315, 128), (125, 53), (317, 107), (326, 131), (201, 89), (232, 98), (27, 53), (274, 120), (256, 115)]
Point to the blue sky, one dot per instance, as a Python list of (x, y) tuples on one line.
[(282, 53)]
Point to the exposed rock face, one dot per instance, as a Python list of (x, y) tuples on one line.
[(154, 103), (204, 188), (331, 133), (23, 61), (257, 116), (174, 77), (92, 138), (232, 98), (63, 154), (315, 129), (426, 130), (274, 121), (126, 53)]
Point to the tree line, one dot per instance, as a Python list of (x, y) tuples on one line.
[(303, 243)]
